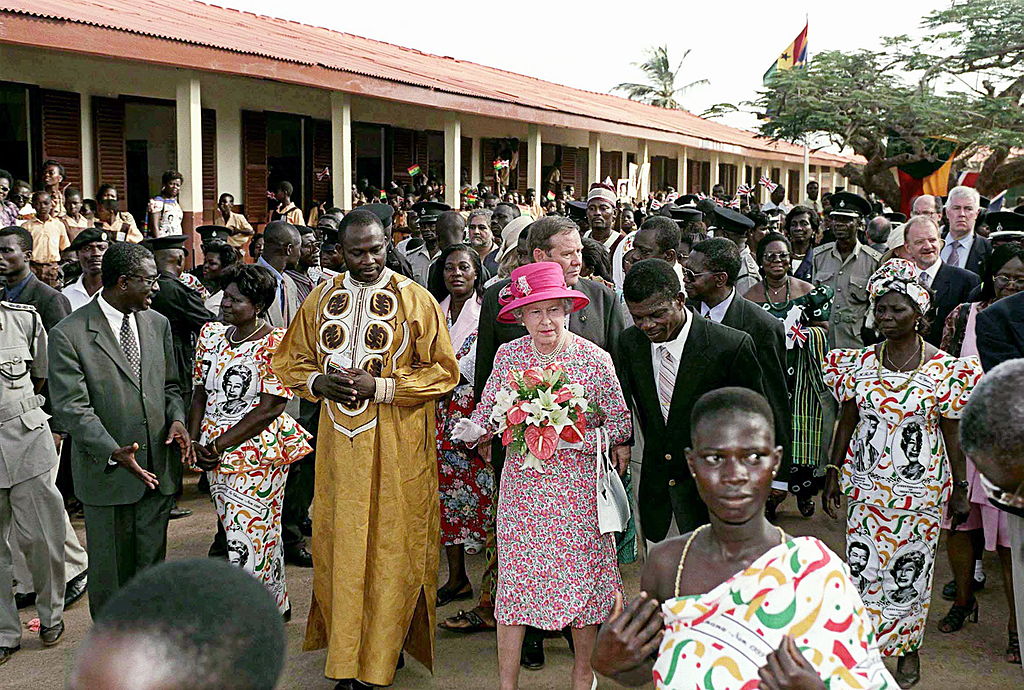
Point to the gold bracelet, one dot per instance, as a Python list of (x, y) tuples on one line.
[(837, 468)]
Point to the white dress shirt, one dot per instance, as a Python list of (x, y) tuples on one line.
[(963, 249), (717, 312), (674, 347), (931, 271), (78, 296), (114, 319)]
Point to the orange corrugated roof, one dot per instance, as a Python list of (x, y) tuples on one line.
[(197, 23)]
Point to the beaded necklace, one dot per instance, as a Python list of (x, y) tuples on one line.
[(910, 377)]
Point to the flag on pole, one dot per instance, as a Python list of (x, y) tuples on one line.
[(744, 190), (323, 174), (794, 56), (500, 164), (383, 195), (734, 204), (767, 183), (551, 195), (413, 170)]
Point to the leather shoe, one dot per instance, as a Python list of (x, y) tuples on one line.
[(300, 557), (178, 513), (6, 653), (306, 527), (532, 655), (23, 601), (75, 589), (50, 636)]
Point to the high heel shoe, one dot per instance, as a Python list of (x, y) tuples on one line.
[(957, 616)]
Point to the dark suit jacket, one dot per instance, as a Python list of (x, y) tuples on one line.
[(184, 308), (714, 356), (100, 402), (770, 345), (952, 287), (1000, 331), (51, 304), (600, 322)]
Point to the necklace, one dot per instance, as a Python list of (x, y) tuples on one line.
[(686, 550), (546, 359), (910, 377), (768, 299), (259, 325)]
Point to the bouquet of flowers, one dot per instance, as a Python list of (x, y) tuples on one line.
[(539, 408)]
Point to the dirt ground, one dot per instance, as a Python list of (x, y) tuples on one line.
[(971, 659)]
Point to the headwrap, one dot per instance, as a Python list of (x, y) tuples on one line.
[(625, 247), (899, 275), (601, 191)]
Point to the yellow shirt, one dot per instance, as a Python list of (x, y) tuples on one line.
[(290, 213), (122, 227), (240, 229), (49, 239)]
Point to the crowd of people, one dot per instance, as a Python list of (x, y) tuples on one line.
[(563, 386)]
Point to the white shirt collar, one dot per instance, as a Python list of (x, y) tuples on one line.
[(115, 317), (717, 313), (932, 271), (674, 346)]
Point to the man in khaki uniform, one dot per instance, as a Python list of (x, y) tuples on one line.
[(846, 265), (30, 504)]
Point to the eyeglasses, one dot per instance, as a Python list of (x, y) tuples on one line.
[(146, 280), (5, 189), (1003, 282), (690, 275), (777, 256), (1010, 502)]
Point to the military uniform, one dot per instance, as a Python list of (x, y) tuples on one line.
[(29, 500)]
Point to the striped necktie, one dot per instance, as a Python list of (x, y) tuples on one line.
[(666, 380)]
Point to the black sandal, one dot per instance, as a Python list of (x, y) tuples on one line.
[(446, 596), (957, 616), (1013, 649), (806, 505), (476, 623)]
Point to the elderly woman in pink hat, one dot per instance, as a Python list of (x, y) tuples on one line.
[(556, 568)]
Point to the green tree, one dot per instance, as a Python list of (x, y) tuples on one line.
[(661, 89), (963, 80)]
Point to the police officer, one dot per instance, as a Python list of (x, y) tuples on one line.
[(29, 500), (845, 266)]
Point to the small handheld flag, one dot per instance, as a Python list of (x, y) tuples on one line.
[(734, 204), (271, 195), (500, 164), (413, 170), (744, 190), (323, 174), (383, 195), (767, 183), (551, 195)]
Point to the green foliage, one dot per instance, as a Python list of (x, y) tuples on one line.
[(660, 89), (962, 80)]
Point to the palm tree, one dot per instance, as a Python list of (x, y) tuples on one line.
[(661, 89)]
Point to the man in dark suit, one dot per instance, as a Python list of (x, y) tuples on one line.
[(1000, 330), (951, 286), (115, 389), (669, 359), (21, 286), (964, 248), (710, 276), (552, 238)]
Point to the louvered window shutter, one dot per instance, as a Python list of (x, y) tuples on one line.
[(108, 127), (209, 137), (254, 165), (62, 133)]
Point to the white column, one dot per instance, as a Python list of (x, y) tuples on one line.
[(341, 149), (452, 159), (89, 182), (593, 162), (533, 156), (714, 170), (835, 177), (190, 145), (624, 168), (475, 176), (681, 162), (643, 155)]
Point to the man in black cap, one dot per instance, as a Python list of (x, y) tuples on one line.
[(394, 259), (89, 246), (1006, 227), (846, 265), (735, 226), (210, 234), (331, 257)]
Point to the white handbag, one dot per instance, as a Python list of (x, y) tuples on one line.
[(612, 500)]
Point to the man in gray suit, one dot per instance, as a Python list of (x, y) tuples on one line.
[(115, 389)]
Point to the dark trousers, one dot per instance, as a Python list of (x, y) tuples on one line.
[(298, 488), (124, 540)]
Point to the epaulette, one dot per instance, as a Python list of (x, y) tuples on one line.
[(18, 306), (821, 249)]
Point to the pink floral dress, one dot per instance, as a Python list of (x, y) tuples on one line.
[(555, 568)]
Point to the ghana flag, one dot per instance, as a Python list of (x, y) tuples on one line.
[(795, 55)]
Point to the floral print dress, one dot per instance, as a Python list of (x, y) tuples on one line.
[(897, 480), (555, 567)]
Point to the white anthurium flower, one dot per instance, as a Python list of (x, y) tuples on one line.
[(560, 419), (532, 462), (577, 390)]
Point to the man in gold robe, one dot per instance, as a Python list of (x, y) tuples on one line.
[(372, 346)]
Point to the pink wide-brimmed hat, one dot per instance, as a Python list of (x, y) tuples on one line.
[(537, 282)]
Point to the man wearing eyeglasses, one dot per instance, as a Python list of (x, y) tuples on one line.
[(115, 390), (965, 248)]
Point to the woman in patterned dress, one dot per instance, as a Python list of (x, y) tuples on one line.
[(465, 480), (241, 434), (896, 455), (555, 567), (738, 603), (803, 310)]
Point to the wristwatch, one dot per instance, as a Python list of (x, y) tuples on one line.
[(961, 484)]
